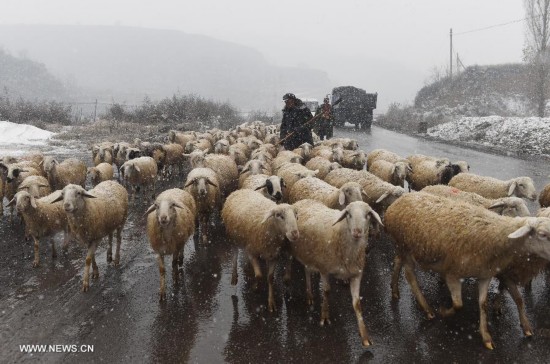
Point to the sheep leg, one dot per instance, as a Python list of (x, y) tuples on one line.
[(455, 287), (415, 288), (516, 296), (234, 274), (86, 279), (324, 307), (95, 270), (483, 286), (180, 257), (175, 274), (354, 286), (288, 270), (397, 265), (162, 271), (66, 239), (270, 273), (204, 228), (118, 242), (54, 251), (257, 270), (309, 293), (36, 261), (110, 249)]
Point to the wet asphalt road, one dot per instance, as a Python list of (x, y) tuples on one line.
[(206, 320)]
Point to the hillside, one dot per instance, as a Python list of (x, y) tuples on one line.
[(125, 64), (30, 80)]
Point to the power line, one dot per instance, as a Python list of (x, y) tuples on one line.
[(492, 26)]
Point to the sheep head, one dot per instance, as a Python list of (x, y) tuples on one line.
[(165, 211), (359, 216), (73, 197), (284, 219), (523, 187)]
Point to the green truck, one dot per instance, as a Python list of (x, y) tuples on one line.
[(355, 108)]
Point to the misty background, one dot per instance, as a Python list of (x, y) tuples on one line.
[(246, 52)]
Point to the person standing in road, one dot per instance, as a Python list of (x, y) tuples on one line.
[(295, 129), (325, 124)]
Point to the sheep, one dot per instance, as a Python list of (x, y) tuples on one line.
[(346, 143), (270, 186), (544, 196), (101, 172), (261, 228), (203, 185), (36, 186), (222, 147), (251, 168), (180, 138), (394, 173), (459, 240), (140, 173), (324, 166), (427, 171), (304, 151), (94, 214), (173, 159), (283, 157), (354, 159), (291, 173), (102, 153), (333, 154), (380, 194), (16, 174), (169, 229), (42, 218), (489, 187), (506, 206), (333, 242), (70, 171), (330, 196), (119, 154), (238, 154), (225, 168), (382, 154)]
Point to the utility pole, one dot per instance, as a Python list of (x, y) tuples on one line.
[(95, 109), (451, 55)]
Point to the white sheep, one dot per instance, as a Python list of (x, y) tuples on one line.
[(203, 185), (99, 173), (334, 242), (459, 240), (93, 215), (324, 166), (251, 168), (270, 186), (506, 206), (36, 186), (140, 173), (380, 194), (284, 157), (544, 196), (489, 187), (261, 228), (70, 171), (42, 219), (428, 171), (169, 228), (225, 168), (394, 173), (382, 154), (291, 173), (354, 159), (330, 196)]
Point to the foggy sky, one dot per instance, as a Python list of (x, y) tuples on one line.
[(411, 35)]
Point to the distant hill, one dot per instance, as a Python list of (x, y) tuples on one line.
[(30, 80), (481, 91), (125, 64)]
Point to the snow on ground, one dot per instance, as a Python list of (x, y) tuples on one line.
[(525, 135)]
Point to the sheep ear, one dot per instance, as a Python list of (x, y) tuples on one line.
[(88, 195), (12, 202), (33, 202), (138, 170), (283, 184), (512, 188), (267, 216), (363, 193), (245, 170), (41, 162), (496, 205), (151, 208), (341, 198), (342, 216), (175, 204), (381, 198), (211, 183), (21, 188), (259, 188), (376, 217), (520, 233), (189, 183), (393, 169), (59, 198), (315, 172)]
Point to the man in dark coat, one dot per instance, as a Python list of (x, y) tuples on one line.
[(295, 130)]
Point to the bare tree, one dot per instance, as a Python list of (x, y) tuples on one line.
[(537, 49)]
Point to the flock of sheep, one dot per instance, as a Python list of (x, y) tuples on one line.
[(317, 204)]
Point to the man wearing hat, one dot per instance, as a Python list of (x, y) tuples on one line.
[(295, 129)]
